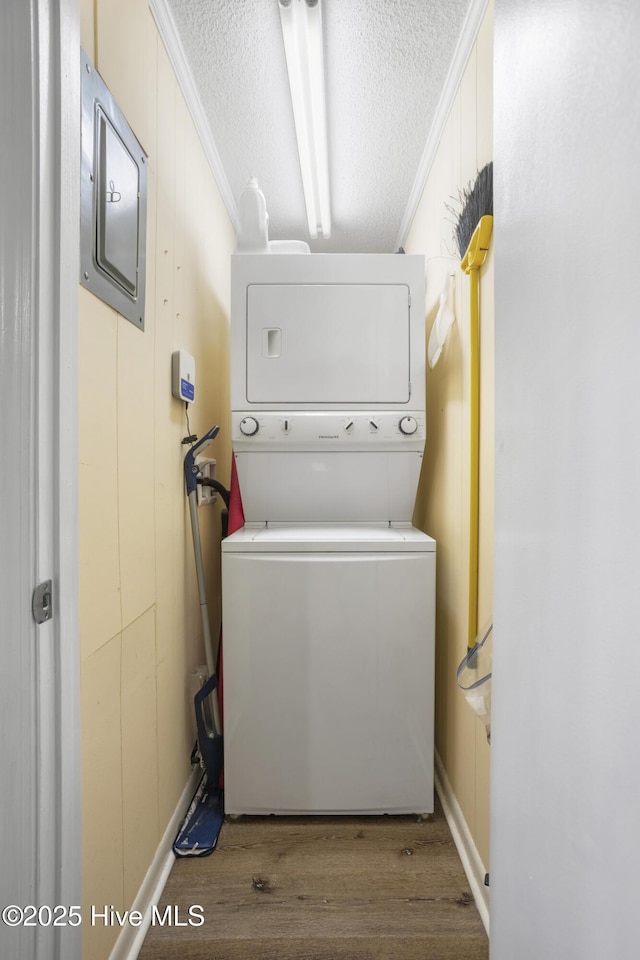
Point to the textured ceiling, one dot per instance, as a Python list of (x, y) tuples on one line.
[(385, 63)]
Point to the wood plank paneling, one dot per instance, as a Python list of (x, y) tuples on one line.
[(442, 502), (324, 888)]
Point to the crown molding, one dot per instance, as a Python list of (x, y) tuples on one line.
[(452, 82), (169, 35)]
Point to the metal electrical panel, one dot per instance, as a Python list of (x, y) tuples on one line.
[(113, 202)]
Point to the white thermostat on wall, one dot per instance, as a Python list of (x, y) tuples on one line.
[(183, 376)]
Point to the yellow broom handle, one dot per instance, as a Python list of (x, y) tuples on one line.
[(474, 451), (472, 261)]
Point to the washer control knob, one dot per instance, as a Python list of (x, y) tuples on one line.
[(408, 425), (249, 426)]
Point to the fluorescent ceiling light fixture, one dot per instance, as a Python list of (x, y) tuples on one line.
[(302, 32)]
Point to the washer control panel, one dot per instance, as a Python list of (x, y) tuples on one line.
[(321, 430)]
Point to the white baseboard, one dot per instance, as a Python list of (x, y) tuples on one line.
[(129, 943), (467, 850)]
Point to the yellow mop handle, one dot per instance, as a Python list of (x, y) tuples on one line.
[(473, 259)]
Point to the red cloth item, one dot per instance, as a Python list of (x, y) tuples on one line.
[(236, 513)]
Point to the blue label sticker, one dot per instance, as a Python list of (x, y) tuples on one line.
[(187, 389)]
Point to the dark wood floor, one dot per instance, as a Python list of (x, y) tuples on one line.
[(324, 888)]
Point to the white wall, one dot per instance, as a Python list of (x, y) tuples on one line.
[(565, 813)]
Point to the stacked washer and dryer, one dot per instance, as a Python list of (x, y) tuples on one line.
[(328, 590)]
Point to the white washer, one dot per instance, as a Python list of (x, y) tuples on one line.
[(328, 660)]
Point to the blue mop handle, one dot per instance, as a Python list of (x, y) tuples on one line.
[(191, 471)]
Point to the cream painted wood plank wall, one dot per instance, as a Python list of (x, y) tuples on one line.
[(443, 496), (140, 626)]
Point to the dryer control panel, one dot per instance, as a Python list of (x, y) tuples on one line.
[(348, 430)]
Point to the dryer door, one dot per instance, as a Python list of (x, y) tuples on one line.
[(328, 343)]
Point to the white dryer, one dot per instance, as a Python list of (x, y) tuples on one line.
[(328, 591)]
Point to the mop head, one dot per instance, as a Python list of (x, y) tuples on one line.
[(475, 201), (198, 834)]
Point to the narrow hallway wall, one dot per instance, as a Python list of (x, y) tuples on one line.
[(442, 505), (139, 615), (565, 844)]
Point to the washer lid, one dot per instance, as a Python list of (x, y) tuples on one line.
[(330, 538)]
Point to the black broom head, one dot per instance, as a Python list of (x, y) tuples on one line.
[(477, 202)]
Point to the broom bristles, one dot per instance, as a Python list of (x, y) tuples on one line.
[(477, 202)]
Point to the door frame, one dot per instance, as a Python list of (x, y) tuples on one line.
[(39, 236), (60, 115)]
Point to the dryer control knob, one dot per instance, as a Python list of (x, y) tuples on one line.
[(249, 426), (408, 425)]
